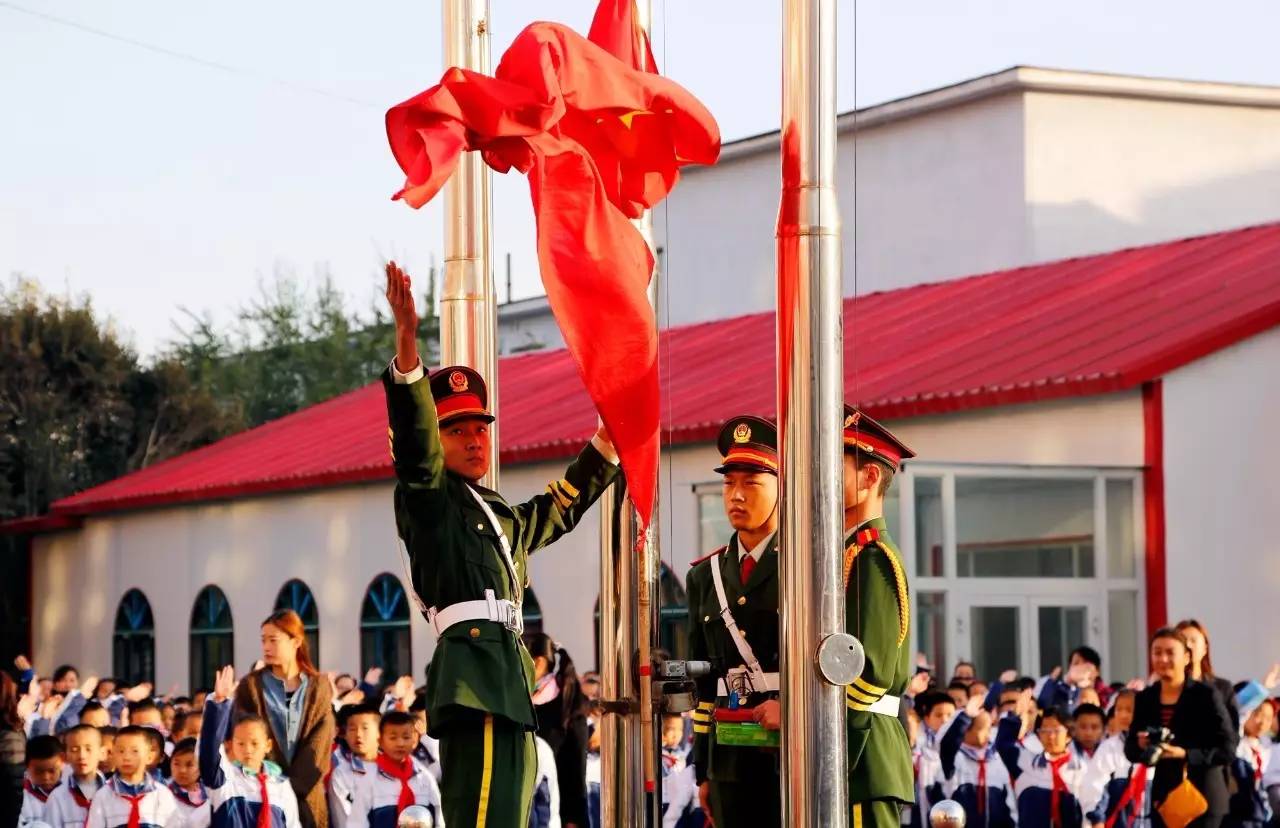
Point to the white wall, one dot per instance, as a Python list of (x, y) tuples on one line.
[(337, 540), (1222, 504), (1106, 172)]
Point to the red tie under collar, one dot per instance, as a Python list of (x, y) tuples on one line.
[(1059, 788), (135, 815), (264, 813), (748, 566), (982, 786), (402, 771)]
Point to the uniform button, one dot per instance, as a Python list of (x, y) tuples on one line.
[(742, 632), (475, 632), (479, 526), (706, 618), (742, 601)]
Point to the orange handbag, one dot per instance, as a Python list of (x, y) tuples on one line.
[(1183, 805)]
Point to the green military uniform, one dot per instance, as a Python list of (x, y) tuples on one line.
[(480, 678), (744, 781), (881, 779)]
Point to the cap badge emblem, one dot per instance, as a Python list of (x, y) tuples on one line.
[(458, 382), (742, 433)]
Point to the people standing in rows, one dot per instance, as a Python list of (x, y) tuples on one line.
[(877, 612), (733, 624), (973, 774), (561, 708), (290, 695), (468, 554), (1051, 782), (395, 780), (1203, 738)]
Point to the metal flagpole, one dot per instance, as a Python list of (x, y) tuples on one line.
[(468, 312), (810, 386), (628, 633)]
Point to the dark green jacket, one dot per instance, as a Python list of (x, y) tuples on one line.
[(454, 555), (877, 613), (755, 609)]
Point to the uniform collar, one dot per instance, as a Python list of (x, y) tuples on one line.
[(758, 550), (877, 523)]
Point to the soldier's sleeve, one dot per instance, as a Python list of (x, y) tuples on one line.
[(873, 590), (554, 512), (416, 453), (706, 686)]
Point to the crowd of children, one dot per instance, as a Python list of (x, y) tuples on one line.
[(1052, 751), (1013, 751)]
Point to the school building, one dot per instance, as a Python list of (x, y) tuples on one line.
[(1093, 414)]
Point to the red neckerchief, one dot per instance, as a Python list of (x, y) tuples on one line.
[(402, 771), (42, 795), (1059, 787), (1135, 792), (982, 785), (80, 798), (134, 800), (1257, 763), (264, 813)]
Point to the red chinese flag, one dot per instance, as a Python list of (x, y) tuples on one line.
[(601, 141), (616, 30)]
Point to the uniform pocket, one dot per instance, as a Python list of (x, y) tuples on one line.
[(484, 555)]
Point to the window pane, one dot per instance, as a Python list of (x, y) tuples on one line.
[(1121, 550), (1059, 630), (714, 530), (931, 627), (994, 636), (892, 514), (1122, 623), (1024, 528), (929, 527)]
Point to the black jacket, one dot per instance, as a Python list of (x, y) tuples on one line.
[(1202, 727), (569, 744)]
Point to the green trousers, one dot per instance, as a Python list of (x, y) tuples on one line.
[(489, 764), (878, 813)]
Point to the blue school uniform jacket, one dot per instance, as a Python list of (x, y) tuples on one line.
[(235, 793), (377, 797), (1032, 775), (976, 778), (1107, 781)]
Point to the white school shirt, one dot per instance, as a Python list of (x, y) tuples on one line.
[(68, 805), (35, 803), (191, 814), (110, 809), (378, 795), (347, 773)]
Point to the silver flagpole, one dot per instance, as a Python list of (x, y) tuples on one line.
[(810, 386), (468, 311), (628, 632)]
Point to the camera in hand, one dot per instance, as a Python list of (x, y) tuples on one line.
[(1158, 738)]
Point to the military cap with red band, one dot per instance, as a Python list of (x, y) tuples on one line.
[(865, 435), (460, 393), (748, 444)]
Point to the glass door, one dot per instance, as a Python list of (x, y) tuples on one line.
[(1063, 623), (992, 631)]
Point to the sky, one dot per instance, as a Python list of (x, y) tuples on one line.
[(158, 156)]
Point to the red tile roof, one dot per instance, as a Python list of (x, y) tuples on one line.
[(1077, 327)]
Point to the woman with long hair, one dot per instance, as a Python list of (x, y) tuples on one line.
[(13, 752), (1197, 636), (562, 722), (291, 696), (1203, 741)]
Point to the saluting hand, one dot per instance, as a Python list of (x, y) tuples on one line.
[(224, 684), (400, 298)]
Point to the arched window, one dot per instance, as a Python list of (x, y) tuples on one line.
[(133, 645), (384, 628), (673, 617), (532, 612), (296, 595), (212, 637)]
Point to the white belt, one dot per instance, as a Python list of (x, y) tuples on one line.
[(490, 608), (887, 705), (770, 685)]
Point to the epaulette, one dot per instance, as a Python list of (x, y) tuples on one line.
[(871, 536), (709, 557)]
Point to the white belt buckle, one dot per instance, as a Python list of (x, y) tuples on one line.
[(514, 620)]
